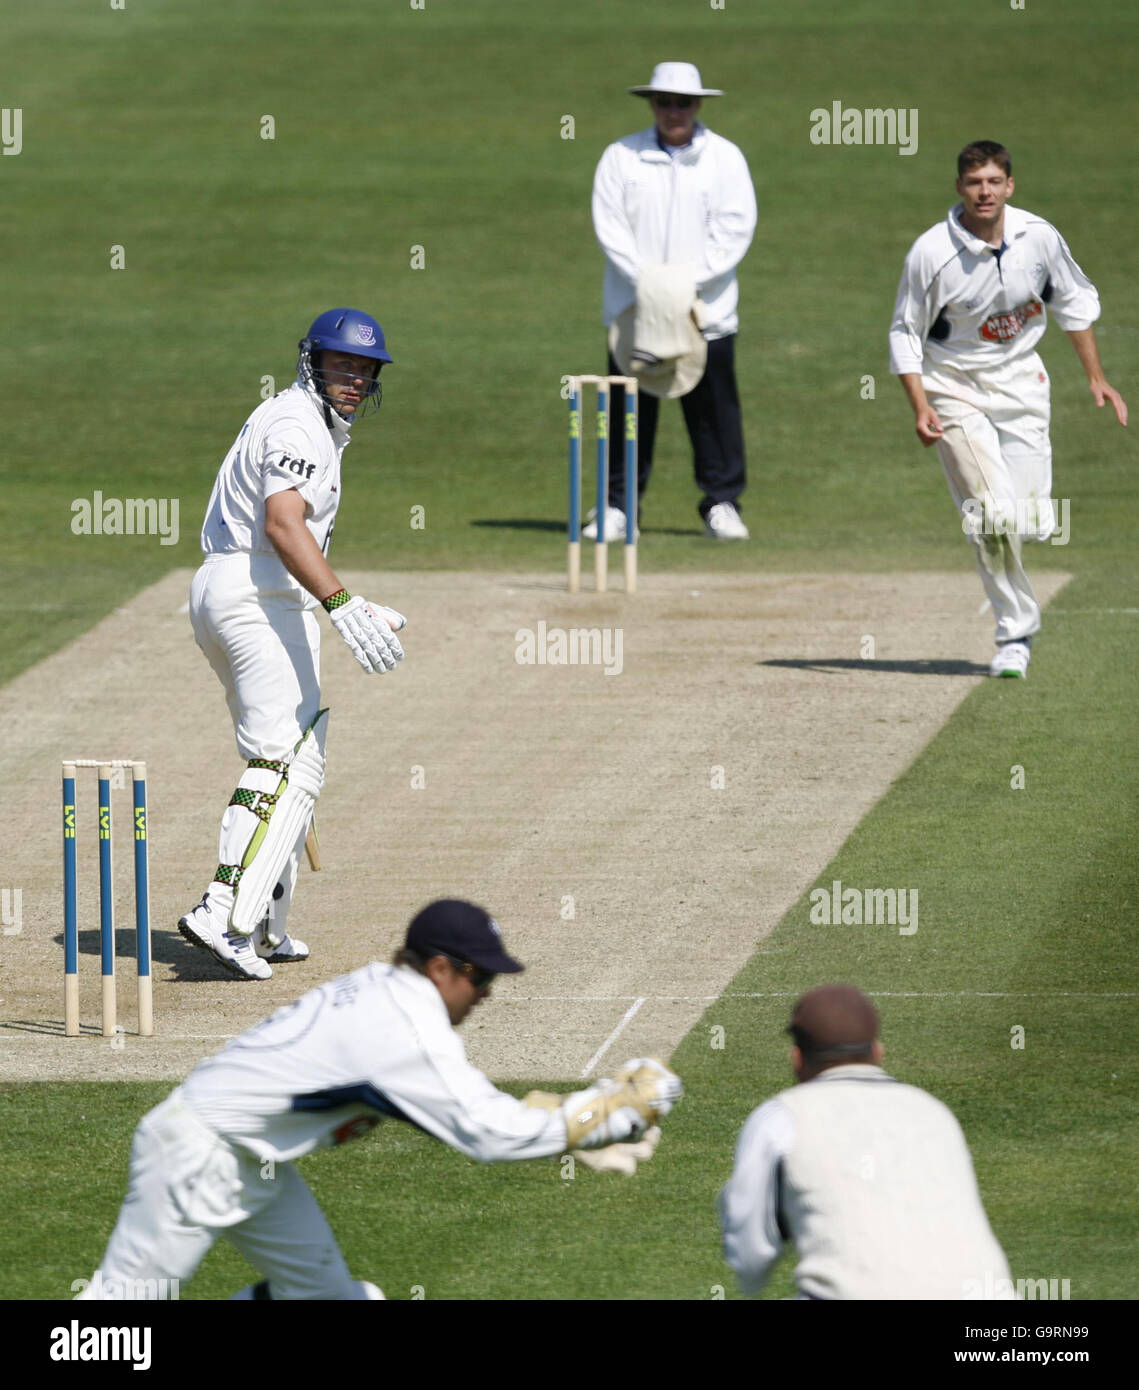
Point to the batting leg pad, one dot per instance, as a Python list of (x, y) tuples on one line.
[(277, 818)]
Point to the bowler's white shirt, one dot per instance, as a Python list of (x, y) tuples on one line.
[(872, 1181), (695, 208), (376, 1044), (286, 443), (993, 306)]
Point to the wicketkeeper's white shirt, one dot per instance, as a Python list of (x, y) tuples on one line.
[(960, 304), (290, 441), (872, 1181), (377, 1044), (695, 208)]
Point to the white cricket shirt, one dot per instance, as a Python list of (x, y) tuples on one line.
[(872, 1181), (961, 304), (376, 1044), (286, 443)]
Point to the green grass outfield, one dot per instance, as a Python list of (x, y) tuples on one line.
[(440, 128), (1027, 910)]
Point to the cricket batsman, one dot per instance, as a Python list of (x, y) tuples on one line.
[(972, 306), (216, 1158), (253, 606)]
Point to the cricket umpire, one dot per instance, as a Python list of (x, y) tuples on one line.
[(973, 302), (870, 1179), (253, 606), (674, 207), (216, 1158)]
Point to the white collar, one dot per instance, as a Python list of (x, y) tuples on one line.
[(1016, 223), (687, 154)]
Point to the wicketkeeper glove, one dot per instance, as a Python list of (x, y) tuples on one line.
[(368, 628), (615, 1112), (620, 1158)]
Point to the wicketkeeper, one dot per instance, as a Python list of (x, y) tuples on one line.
[(216, 1157), (253, 606)]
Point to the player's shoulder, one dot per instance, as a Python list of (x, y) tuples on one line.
[(772, 1119), (923, 1105), (1019, 222), (293, 403), (291, 412), (721, 146), (935, 246), (631, 147)]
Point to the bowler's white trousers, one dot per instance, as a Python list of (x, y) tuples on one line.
[(188, 1187), (260, 634), (997, 458)]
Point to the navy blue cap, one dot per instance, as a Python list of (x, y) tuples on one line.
[(451, 927)]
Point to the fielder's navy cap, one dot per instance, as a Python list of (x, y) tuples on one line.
[(451, 927)]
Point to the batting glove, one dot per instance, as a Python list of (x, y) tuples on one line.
[(368, 630)]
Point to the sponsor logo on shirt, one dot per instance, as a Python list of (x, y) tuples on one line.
[(1003, 328), (298, 466)]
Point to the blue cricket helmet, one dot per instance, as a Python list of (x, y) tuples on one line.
[(343, 330)]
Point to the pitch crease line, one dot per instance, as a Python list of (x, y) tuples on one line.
[(630, 1014)]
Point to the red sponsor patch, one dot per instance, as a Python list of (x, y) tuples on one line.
[(354, 1128), (1002, 328)]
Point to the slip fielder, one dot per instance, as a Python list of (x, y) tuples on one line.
[(869, 1179), (969, 313), (252, 604)]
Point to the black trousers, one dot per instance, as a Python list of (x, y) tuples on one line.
[(715, 427)]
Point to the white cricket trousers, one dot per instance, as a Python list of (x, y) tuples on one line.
[(260, 634), (997, 459), (188, 1187), (253, 625)]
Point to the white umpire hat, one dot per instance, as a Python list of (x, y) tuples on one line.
[(680, 79), (674, 376)]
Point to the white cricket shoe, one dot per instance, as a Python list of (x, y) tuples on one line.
[(205, 928), (614, 525), (724, 523), (1011, 660), (278, 952)]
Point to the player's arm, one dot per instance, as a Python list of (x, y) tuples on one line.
[(610, 220), (926, 423), (749, 1202), (1083, 340), (909, 328), (296, 545), (731, 222), (1074, 304), (451, 1099), (369, 629)]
